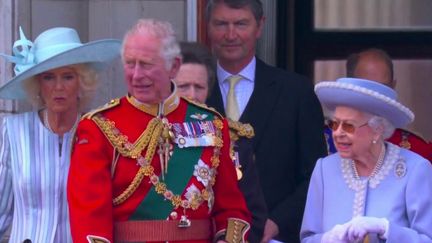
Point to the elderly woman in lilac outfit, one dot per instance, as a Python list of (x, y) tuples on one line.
[(57, 73), (370, 190)]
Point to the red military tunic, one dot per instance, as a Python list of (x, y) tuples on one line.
[(413, 142), (97, 177)]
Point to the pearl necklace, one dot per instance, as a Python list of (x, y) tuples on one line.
[(361, 185), (377, 166)]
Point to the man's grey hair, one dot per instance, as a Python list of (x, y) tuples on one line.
[(162, 30)]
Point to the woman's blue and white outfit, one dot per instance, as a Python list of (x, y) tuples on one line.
[(400, 191), (33, 176)]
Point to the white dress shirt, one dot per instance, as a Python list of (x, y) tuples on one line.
[(243, 89)]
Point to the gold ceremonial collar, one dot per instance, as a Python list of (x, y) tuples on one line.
[(169, 104)]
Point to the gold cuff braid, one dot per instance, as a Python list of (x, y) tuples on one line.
[(236, 230), (96, 239)]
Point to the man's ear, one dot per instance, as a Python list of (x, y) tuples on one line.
[(175, 67), (260, 27)]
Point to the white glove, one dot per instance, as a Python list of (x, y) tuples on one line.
[(359, 227), (338, 234)]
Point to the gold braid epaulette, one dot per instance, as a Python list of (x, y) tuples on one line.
[(112, 103), (120, 142), (238, 129)]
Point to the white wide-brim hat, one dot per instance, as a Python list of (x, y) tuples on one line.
[(366, 96), (54, 48)]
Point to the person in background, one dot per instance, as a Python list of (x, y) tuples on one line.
[(58, 74), (151, 166), (375, 64), (370, 190), (372, 64), (194, 79), (196, 75), (280, 105)]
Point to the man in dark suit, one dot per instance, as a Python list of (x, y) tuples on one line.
[(194, 79), (281, 106), (247, 175)]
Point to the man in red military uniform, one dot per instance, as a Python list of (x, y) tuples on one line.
[(413, 142), (148, 167)]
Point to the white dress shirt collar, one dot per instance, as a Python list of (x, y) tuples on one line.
[(243, 89), (248, 72)]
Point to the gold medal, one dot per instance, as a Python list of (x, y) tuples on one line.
[(405, 144)]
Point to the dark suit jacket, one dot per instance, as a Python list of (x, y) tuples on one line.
[(250, 186), (288, 121)]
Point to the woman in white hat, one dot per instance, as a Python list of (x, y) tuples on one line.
[(370, 189), (57, 73)]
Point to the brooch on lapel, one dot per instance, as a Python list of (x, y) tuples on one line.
[(400, 168)]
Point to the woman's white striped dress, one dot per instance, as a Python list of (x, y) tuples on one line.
[(33, 176)]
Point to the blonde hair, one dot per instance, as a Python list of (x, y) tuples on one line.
[(162, 30), (88, 81)]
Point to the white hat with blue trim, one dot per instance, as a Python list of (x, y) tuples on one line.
[(54, 48), (364, 95)]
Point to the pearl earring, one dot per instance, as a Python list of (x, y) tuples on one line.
[(374, 141)]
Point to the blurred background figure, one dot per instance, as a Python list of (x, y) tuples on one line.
[(375, 64), (58, 74), (372, 64), (195, 80), (348, 188)]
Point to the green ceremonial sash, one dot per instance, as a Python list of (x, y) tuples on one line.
[(181, 167)]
